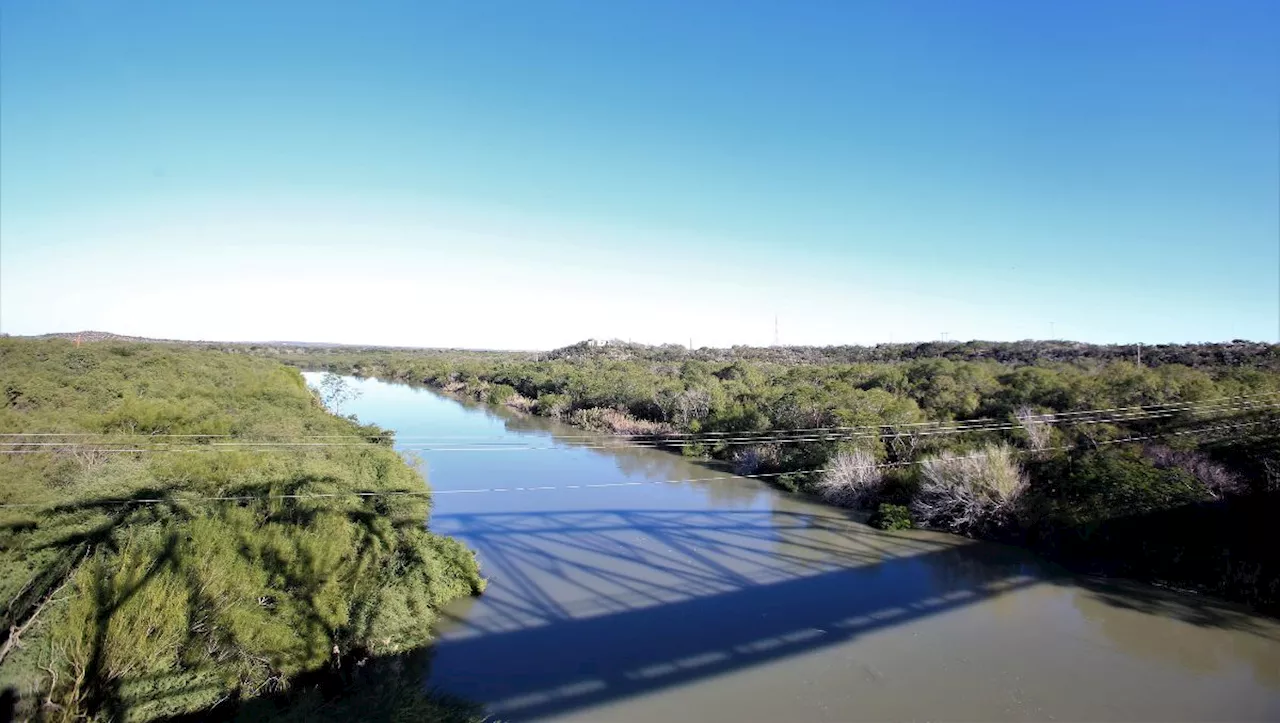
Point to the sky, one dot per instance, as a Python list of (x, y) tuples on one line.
[(529, 174)]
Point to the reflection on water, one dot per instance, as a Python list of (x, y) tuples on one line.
[(1136, 619), (637, 462), (725, 600)]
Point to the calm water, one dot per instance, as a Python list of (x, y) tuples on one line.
[(616, 594)]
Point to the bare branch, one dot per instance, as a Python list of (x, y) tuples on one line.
[(851, 480), (1038, 432)]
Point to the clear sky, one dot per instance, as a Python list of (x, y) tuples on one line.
[(529, 174)]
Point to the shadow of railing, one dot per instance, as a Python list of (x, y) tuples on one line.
[(589, 607)]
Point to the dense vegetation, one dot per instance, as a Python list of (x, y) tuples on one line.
[(1240, 352), (962, 444), (130, 595)]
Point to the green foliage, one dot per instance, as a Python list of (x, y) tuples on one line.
[(161, 416), (900, 486), (336, 391), (1116, 511), (795, 481), (790, 482), (373, 689), (500, 393), (165, 607), (1083, 491), (757, 390), (655, 391), (551, 404), (892, 517)]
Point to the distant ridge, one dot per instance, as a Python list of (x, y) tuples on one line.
[(1235, 353), (87, 336), (100, 336)]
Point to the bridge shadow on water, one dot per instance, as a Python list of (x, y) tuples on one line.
[(585, 608)]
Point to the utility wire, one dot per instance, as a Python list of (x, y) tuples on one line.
[(1047, 418), (22, 447), (1117, 413), (427, 492)]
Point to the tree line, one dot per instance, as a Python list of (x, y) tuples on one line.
[(1186, 504)]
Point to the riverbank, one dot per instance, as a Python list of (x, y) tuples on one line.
[(1174, 530), (628, 584), (161, 560), (1085, 462)]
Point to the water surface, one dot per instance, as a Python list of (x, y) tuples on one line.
[(618, 592)]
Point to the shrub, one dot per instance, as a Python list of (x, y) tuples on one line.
[(754, 459), (851, 479), (1119, 512), (1082, 491), (695, 450), (613, 421), (791, 482), (520, 402), (500, 393), (1035, 427), (969, 493), (899, 486), (892, 517), (551, 405), (1216, 478)]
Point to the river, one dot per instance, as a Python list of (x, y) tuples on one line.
[(619, 593)]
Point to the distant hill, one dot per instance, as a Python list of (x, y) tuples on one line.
[(88, 336), (1236, 353)]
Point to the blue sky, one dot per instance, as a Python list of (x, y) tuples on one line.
[(525, 175)]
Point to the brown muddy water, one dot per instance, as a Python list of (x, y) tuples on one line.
[(618, 594)]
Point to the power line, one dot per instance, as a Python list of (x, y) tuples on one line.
[(1116, 413), (1045, 418), (769, 438), (52, 447), (426, 492)]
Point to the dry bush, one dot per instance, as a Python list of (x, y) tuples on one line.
[(1039, 433), (969, 493), (750, 460), (90, 458), (1217, 478), (691, 405), (520, 402), (615, 421), (852, 479)]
